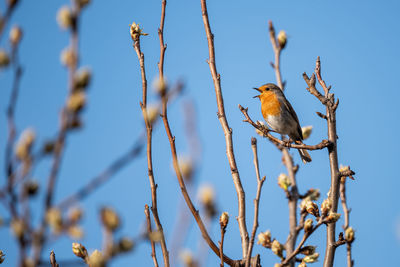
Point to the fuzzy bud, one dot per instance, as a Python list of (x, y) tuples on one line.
[(277, 248), (74, 215), (332, 217), (125, 244), (308, 250), (69, 58), (264, 239), (64, 17), (186, 167), (96, 259), (224, 219), (15, 35), (82, 78), (160, 86), (187, 259), (306, 131), (308, 225), (311, 258), (155, 236), (76, 101), (284, 181), (4, 59), (326, 206), (136, 32), (75, 232), (313, 194), (282, 39), (54, 219), (349, 234), (207, 199), (79, 250), (18, 227), (302, 264), (312, 208), (109, 218)]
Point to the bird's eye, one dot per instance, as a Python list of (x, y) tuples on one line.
[(267, 89)]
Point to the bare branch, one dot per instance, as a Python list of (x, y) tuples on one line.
[(53, 261), (153, 246), (260, 183), (227, 132)]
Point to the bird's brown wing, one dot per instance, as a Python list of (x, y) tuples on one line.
[(294, 116)]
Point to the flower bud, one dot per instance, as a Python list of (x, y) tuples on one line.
[(4, 59), (15, 35), (332, 217), (264, 239), (31, 187), (308, 250), (54, 219), (76, 101), (277, 248), (302, 264), (308, 225), (282, 39), (284, 181), (2, 256), (75, 232), (326, 206), (349, 234), (311, 258), (79, 250), (277, 265), (306, 131), (155, 236), (96, 259), (224, 219), (82, 78), (109, 218), (186, 167), (18, 227), (160, 86), (312, 208), (136, 32), (74, 215), (153, 112), (313, 194), (64, 17), (24, 144), (187, 259), (207, 199), (69, 58), (125, 244)]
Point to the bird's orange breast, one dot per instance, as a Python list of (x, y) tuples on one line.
[(270, 105)]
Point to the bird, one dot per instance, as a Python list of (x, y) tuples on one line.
[(280, 115)]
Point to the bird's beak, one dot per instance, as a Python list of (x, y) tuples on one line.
[(257, 90)]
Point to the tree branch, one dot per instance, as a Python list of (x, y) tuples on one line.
[(153, 246), (227, 132)]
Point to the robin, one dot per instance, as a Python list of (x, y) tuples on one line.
[(280, 115)]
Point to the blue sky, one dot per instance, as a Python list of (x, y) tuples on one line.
[(358, 45)]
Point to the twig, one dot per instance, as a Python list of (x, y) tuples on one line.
[(182, 185), (104, 176), (153, 246), (221, 246), (4, 19), (227, 132), (323, 144), (346, 212), (149, 130), (260, 183), (329, 102), (277, 52), (53, 259)]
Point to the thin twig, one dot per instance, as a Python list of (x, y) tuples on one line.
[(53, 259), (221, 246), (260, 183), (149, 129), (153, 246), (182, 185), (227, 132), (277, 52), (346, 212), (323, 144), (329, 102)]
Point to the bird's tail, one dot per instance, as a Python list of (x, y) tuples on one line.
[(305, 157)]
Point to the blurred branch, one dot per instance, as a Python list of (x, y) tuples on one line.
[(260, 183), (149, 129), (11, 5), (227, 132), (346, 212), (53, 261), (153, 246), (104, 176)]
